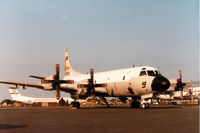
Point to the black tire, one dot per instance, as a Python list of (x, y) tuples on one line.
[(145, 105), (135, 104), (77, 104), (73, 104)]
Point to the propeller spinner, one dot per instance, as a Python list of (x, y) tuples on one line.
[(56, 81), (91, 85)]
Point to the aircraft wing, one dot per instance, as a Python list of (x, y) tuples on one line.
[(22, 84)]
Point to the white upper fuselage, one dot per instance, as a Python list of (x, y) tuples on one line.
[(122, 82)]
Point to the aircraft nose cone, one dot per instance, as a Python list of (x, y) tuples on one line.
[(160, 83)]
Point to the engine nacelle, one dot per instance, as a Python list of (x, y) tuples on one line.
[(47, 86), (52, 77)]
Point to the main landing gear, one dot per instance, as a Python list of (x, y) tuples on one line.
[(136, 104), (75, 105)]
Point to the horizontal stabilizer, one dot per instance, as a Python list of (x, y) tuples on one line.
[(37, 77)]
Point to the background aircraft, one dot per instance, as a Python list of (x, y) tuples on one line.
[(16, 96), (190, 91)]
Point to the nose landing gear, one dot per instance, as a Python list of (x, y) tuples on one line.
[(136, 104), (75, 105), (145, 105)]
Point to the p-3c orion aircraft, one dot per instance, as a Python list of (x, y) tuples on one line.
[(139, 83)]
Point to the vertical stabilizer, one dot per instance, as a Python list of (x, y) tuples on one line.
[(16, 96), (67, 65), (14, 93)]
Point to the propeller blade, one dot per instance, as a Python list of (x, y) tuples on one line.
[(92, 75), (180, 85), (56, 82), (93, 96), (90, 86), (57, 93), (57, 71), (180, 75)]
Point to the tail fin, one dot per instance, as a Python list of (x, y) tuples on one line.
[(68, 69), (14, 93), (16, 96)]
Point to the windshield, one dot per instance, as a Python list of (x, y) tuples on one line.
[(151, 73), (157, 72)]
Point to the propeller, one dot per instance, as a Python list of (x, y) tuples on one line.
[(56, 81), (180, 85), (91, 85)]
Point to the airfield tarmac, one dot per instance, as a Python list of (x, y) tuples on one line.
[(157, 119)]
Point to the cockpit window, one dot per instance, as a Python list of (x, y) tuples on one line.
[(157, 72), (151, 73), (142, 73)]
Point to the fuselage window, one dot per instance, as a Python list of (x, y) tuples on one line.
[(151, 73), (142, 73)]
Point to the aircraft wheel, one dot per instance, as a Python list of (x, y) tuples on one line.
[(75, 104), (145, 105)]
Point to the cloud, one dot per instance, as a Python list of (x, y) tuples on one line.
[(64, 17)]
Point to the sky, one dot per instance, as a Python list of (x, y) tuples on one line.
[(99, 34)]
